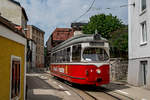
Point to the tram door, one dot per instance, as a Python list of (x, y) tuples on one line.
[(144, 72), (15, 79)]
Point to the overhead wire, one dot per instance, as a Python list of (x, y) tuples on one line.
[(121, 6), (86, 11)]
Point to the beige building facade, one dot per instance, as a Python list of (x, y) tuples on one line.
[(37, 35), (14, 12)]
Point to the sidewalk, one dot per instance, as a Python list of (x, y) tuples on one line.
[(136, 93)]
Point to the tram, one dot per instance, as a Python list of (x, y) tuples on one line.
[(82, 59)]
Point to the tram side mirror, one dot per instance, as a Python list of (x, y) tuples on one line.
[(97, 36)]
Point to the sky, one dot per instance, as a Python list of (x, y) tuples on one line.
[(50, 14)]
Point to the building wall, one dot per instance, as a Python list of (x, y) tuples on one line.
[(135, 18), (137, 50), (59, 35), (33, 48), (29, 32), (23, 22), (77, 32), (10, 46), (38, 36), (49, 43), (11, 11), (135, 76)]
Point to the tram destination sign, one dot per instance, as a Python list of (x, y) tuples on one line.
[(97, 43)]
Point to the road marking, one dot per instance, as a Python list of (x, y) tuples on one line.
[(54, 82), (143, 99), (68, 92), (61, 86), (122, 92), (41, 76)]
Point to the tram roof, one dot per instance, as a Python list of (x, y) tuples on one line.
[(82, 38)]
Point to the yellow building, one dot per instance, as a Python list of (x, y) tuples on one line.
[(12, 62)]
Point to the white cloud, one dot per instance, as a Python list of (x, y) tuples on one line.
[(49, 14)]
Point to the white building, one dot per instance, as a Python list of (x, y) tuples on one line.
[(139, 43)]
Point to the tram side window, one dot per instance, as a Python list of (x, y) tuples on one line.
[(57, 57), (53, 58), (76, 53), (68, 55), (64, 53), (15, 79)]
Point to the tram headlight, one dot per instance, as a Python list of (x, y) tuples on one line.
[(98, 71)]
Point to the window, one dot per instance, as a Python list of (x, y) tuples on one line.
[(68, 54), (15, 79), (143, 5), (144, 32), (76, 53), (95, 54)]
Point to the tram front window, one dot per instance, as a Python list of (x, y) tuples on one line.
[(95, 54)]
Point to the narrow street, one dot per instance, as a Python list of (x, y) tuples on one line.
[(42, 86)]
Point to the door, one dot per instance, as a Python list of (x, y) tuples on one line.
[(144, 72), (15, 79)]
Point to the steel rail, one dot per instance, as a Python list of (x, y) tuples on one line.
[(69, 86)]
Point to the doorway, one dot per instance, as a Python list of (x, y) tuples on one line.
[(144, 72), (15, 79)]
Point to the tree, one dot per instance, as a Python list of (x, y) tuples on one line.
[(105, 24), (119, 43), (111, 28)]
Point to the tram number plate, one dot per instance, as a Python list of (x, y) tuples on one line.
[(61, 70)]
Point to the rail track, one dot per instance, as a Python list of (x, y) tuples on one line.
[(91, 92)]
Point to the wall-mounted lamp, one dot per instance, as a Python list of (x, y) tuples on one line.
[(133, 4)]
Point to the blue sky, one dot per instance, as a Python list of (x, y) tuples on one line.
[(49, 14)]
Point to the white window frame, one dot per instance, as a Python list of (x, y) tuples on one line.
[(15, 58), (143, 33)]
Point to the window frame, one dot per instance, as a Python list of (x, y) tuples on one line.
[(144, 37), (73, 52), (15, 58), (144, 64), (104, 50), (141, 6)]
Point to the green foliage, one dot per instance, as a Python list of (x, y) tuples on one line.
[(105, 24), (111, 28), (119, 42)]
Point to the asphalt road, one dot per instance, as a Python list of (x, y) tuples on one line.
[(45, 87), (41, 87)]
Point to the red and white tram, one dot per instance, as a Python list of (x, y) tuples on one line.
[(82, 59)]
